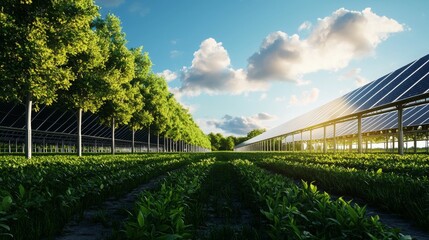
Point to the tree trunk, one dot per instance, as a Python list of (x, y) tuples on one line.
[(79, 132), (148, 139), (28, 141), (132, 140), (157, 143), (113, 136)]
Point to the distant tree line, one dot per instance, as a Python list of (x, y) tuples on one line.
[(63, 52), (227, 143)]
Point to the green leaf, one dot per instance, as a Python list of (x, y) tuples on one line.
[(21, 191), (7, 201), (379, 171), (140, 219)]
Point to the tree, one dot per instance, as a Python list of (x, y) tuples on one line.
[(123, 97), (156, 97), (36, 40), (215, 140), (227, 143), (141, 117), (89, 86), (254, 133)]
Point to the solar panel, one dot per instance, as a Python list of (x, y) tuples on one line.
[(409, 81)]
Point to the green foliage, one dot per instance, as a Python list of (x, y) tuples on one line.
[(221, 143), (90, 85), (375, 180), (305, 213), (37, 39), (161, 214), (142, 116), (254, 133), (51, 189), (63, 48), (123, 97)]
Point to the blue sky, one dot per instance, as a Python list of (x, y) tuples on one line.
[(245, 64)]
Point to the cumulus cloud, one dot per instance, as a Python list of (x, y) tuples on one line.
[(211, 72), (239, 125), (333, 42), (306, 97), (168, 75), (356, 76)]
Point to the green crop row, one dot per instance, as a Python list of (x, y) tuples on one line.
[(305, 213), (416, 165), (161, 214), (398, 193), (39, 196), (411, 165)]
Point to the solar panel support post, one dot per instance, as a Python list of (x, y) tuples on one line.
[(324, 139), (415, 142), (133, 135), (113, 136), (400, 130), (359, 147), (28, 141), (335, 137), (302, 143), (79, 132), (427, 143), (148, 139), (293, 142), (310, 142)]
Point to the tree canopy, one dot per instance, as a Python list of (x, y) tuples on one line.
[(227, 143)]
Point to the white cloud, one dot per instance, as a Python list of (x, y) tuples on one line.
[(333, 42), (138, 8), (263, 96), (306, 97), (355, 75), (235, 125), (280, 99), (211, 73), (175, 53), (168, 75), (360, 81), (304, 26)]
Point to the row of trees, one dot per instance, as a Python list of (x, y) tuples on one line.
[(227, 143), (64, 52)]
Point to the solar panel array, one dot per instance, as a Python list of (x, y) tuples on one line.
[(50, 120), (404, 83)]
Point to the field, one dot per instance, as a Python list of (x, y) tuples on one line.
[(220, 195)]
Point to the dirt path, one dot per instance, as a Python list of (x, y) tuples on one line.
[(99, 222)]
